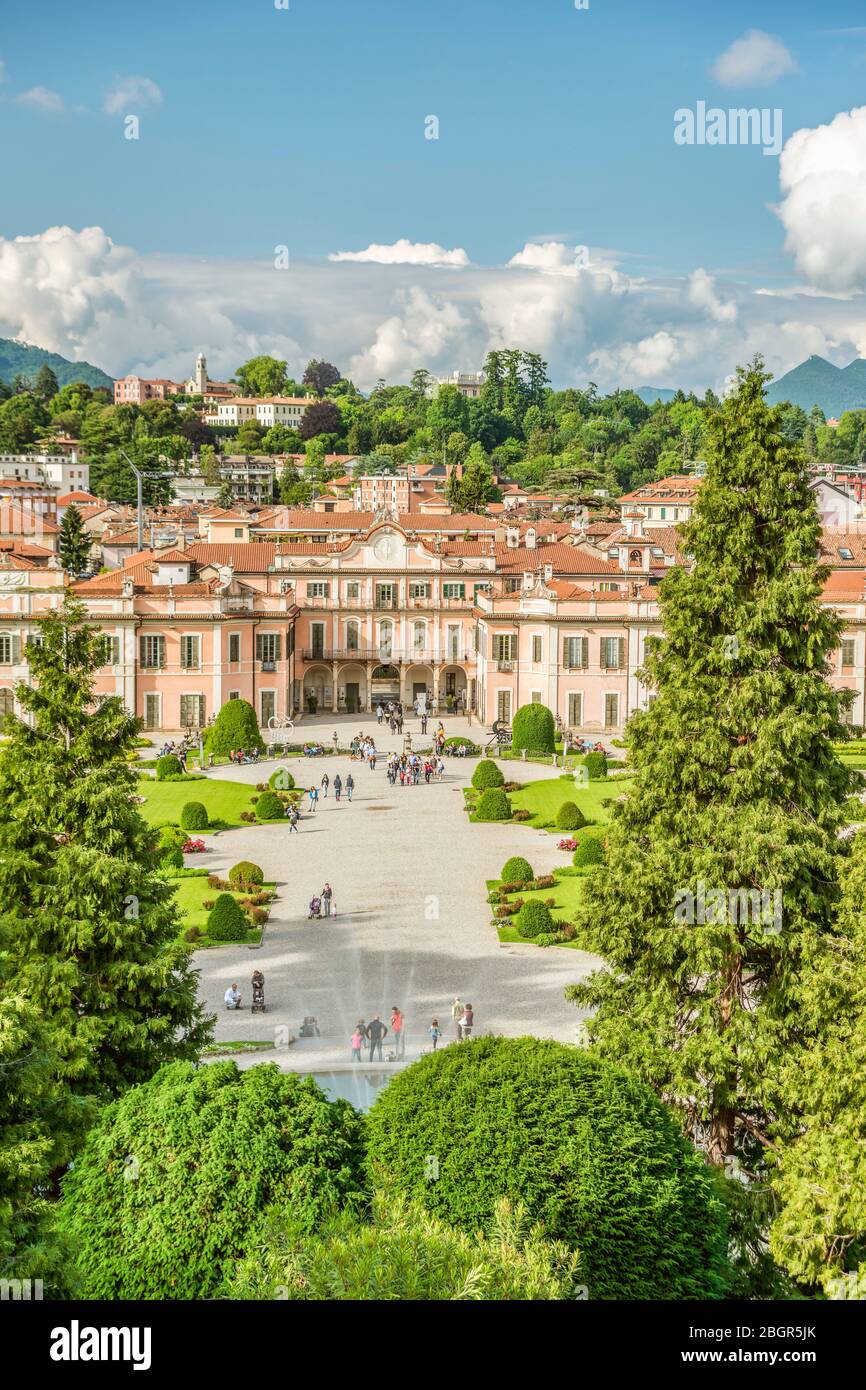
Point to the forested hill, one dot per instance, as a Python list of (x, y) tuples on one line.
[(22, 359)]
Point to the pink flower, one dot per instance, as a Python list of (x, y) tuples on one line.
[(194, 847), (568, 844)]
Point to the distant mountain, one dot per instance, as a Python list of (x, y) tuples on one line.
[(817, 382), (22, 358), (650, 394)]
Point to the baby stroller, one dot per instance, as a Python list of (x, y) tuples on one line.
[(309, 1028), (315, 908), (258, 1004)]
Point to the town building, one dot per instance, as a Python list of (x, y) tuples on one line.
[(467, 383), (267, 410), (66, 471)]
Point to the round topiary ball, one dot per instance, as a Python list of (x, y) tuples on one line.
[(167, 766), (236, 726), (569, 817), (493, 804), (590, 850), (487, 774), (245, 874), (533, 919), (194, 816), (594, 1156), (281, 780), (226, 921), (533, 729), (269, 807), (213, 1148), (517, 870), (596, 766)]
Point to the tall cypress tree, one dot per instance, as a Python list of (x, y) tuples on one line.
[(89, 928), (74, 543), (736, 788)]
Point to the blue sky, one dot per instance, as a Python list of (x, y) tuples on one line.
[(305, 127)]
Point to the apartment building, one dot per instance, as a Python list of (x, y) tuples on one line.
[(267, 410), (66, 471), (135, 390)]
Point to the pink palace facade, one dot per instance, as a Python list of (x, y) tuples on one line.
[(387, 613)]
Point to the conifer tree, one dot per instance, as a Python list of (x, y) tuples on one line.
[(89, 928), (74, 543), (736, 788)]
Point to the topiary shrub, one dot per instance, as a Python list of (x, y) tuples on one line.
[(493, 805), (595, 1157), (194, 816), (166, 767), (245, 874), (569, 817), (458, 741), (590, 850), (533, 918), (533, 729), (226, 921), (171, 858), (212, 1147), (517, 870), (487, 774), (235, 727), (269, 807), (281, 780), (596, 766)]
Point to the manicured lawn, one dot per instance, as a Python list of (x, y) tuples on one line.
[(191, 894), (223, 801), (567, 894), (544, 799)]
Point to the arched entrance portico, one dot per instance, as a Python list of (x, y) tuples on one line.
[(418, 680), (453, 688), (384, 684), (318, 691), (352, 688)]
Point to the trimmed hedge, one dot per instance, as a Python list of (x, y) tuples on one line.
[(281, 780), (589, 1150), (533, 729), (269, 807), (194, 816), (213, 1147), (236, 726), (166, 767), (533, 919), (245, 874), (493, 804), (458, 741), (569, 817), (226, 920), (517, 870), (596, 766), (590, 850), (487, 774)]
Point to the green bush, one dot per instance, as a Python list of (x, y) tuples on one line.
[(458, 741), (281, 780), (569, 817), (269, 807), (235, 727), (171, 858), (167, 767), (212, 1147), (487, 774), (590, 850), (493, 804), (534, 918), (245, 874), (226, 920), (194, 816), (533, 729), (517, 870), (596, 766), (596, 1158)]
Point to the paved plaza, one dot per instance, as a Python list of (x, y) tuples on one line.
[(412, 928)]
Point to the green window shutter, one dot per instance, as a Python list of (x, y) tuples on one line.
[(16, 650), (142, 651)]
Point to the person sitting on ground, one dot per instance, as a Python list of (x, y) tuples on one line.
[(232, 996)]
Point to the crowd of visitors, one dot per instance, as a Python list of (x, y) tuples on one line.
[(409, 768)]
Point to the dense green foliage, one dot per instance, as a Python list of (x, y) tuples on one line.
[(596, 766), (226, 920), (171, 1186), (590, 850), (493, 804), (487, 774), (517, 870), (533, 728), (246, 874), (194, 816), (235, 727), (570, 817), (281, 780), (269, 807), (589, 1150), (534, 919), (74, 542), (167, 766), (405, 1253)]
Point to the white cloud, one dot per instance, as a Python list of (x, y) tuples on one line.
[(551, 256), (822, 174), (131, 94), (405, 252), (703, 294), (423, 330), (42, 99), (756, 58)]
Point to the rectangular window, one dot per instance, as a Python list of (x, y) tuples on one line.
[(10, 646), (513, 584), (385, 595), (503, 706), (152, 654), (611, 711), (536, 650), (234, 694), (575, 709), (152, 709), (318, 589), (848, 652), (191, 711), (613, 653), (353, 590), (453, 590), (419, 590), (110, 650), (190, 652), (234, 647), (505, 646), (575, 653), (267, 646), (267, 706), (535, 697)]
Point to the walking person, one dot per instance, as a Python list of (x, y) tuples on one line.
[(380, 714), (350, 786), (398, 1030), (435, 1032), (467, 1022), (338, 787), (457, 1011), (327, 894), (376, 1031), (357, 1041), (424, 722), (312, 795), (326, 781), (294, 817)]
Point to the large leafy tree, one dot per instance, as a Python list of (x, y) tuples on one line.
[(262, 376), (74, 542), (322, 417), (320, 376), (736, 787), (89, 927)]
